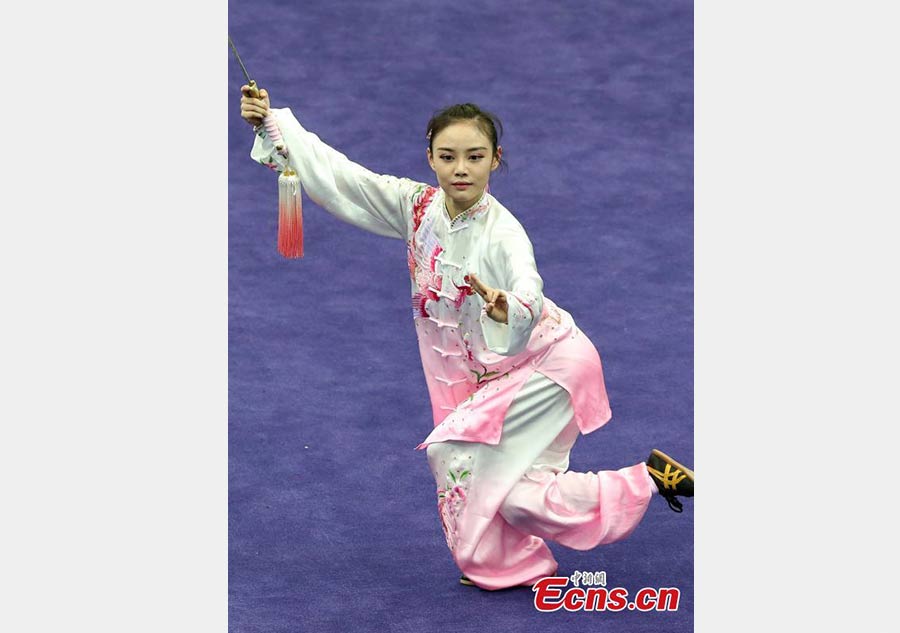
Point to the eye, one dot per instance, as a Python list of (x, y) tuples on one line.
[(446, 157), (476, 157)]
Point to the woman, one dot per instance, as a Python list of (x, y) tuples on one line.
[(512, 379)]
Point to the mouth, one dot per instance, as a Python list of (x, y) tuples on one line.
[(461, 185)]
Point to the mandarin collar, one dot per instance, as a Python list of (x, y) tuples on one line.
[(475, 211)]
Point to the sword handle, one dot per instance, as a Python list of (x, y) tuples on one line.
[(271, 125)]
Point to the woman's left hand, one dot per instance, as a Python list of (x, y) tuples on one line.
[(495, 303)]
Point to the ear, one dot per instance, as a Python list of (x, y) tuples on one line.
[(430, 159), (496, 162)]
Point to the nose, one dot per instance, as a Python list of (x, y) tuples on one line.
[(460, 168)]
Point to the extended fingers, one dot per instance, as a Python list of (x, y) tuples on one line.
[(491, 298), (497, 309)]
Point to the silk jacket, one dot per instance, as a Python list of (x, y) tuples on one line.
[(473, 365)]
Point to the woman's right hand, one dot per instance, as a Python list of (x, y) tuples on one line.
[(254, 108)]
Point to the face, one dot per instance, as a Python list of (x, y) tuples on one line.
[(463, 161)]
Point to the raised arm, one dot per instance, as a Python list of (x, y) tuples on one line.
[(349, 191)]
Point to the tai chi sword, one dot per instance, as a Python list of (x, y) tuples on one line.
[(290, 204), (269, 121)]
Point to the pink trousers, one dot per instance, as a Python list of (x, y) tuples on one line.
[(499, 503)]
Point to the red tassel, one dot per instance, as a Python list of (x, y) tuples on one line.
[(290, 215)]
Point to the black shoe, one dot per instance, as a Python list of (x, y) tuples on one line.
[(672, 479)]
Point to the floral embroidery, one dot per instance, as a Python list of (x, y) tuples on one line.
[(429, 283), (438, 249), (424, 255), (424, 196), (411, 261), (427, 280), (477, 209), (430, 280), (451, 499), (483, 376)]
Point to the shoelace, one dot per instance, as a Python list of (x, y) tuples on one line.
[(666, 482)]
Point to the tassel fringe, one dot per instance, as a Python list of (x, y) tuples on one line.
[(290, 215)]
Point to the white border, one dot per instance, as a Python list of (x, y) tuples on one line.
[(113, 252), (113, 245), (796, 315)]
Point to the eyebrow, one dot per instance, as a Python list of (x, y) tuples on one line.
[(471, 149)]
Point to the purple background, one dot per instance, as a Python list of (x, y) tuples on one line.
[(332, 514)]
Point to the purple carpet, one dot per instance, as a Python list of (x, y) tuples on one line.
[(332, 514)]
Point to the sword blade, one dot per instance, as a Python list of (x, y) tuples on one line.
[(246, 74)]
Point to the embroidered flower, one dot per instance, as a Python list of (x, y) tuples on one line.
[(451, 500), (434, 256), (476, 210), (429, 283), (422, 198)]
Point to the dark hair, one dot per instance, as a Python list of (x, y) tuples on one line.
[(489, 123)]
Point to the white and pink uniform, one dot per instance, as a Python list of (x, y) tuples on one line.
[(508, 400)]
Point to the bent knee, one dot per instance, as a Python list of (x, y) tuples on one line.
[(519, 504)]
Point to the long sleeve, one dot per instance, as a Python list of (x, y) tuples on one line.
[(345, 189), (524, 293)]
